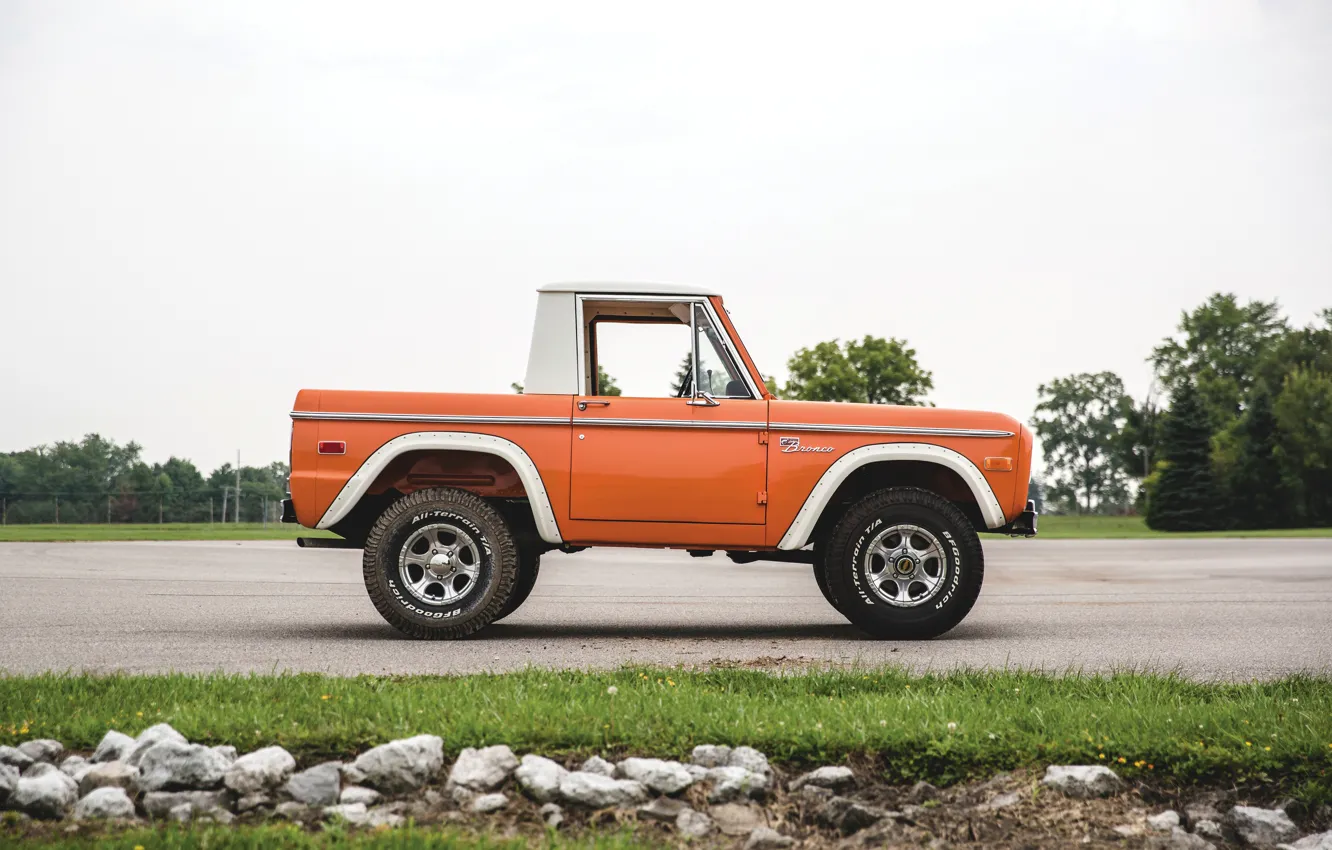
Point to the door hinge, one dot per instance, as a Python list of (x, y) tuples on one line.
[(763, 438), (763, 497)]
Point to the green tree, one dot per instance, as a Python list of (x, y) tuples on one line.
[(1079, 419), (605, 383), (770, 384), (1256, 491), (1184, 494), (1221, 344), (1303, 413), (683, 376), (873, 370)]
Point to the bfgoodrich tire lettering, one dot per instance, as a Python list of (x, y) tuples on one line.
[(945, 597), (496, 571)]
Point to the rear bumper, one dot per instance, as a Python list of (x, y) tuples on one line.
[(288, 510), (1023, 525)]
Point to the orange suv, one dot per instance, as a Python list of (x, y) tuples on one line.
[(454, 497)]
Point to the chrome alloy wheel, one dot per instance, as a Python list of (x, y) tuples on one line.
[(905, 565), (439, 563)]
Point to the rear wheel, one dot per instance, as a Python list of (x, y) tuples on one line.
[(529, 565), (904, 563), (440, 564)]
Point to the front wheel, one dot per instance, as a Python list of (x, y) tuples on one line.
[(904, 563), (440, 564)]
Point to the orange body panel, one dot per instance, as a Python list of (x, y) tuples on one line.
[(696, 477)]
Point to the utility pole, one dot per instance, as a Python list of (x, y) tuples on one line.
[(108, 509), (224, 505), (210, 510), (237, 486), (57, 503), (159, 508)]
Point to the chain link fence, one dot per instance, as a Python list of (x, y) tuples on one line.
[(141, 506)]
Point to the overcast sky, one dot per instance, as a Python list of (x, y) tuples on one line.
[(205, 207)]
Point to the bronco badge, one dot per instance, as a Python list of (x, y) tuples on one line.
[(792, 444)]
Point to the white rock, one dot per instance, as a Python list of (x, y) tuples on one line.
[(835, 777), (1319, 841), (73, 765), (104, 803), (358, 794), (44, 794), (598, 765), (540, 777), (250, 802), (552, 814), (316, 786), (735, 783), (482, 770), (1165, 821), (763, 838), (751, 760), (694, 824), (401, 766), (1001, 801), (353, 813), (1261, 826), (160, 804), (1210, 829), (184, 813), (9, 777), (14, 758), (487, 803), (149, 738), (259, 771), (664, 777), (711, 755), (170, 765), (1083, 780), (226, 751), (111, 774), (1178, 839), (598, 792), (664, 809), (383, 816), (292, 810), (698, 771), (44, 750), (114, 746)]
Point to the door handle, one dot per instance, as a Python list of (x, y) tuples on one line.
[(703, 400), (582, 405)]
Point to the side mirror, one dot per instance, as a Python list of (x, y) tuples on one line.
[(703, 399)]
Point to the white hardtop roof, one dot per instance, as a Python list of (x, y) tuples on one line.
[(629, 289)]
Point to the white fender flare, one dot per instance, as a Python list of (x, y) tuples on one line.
[(797, 536), (357, 485)]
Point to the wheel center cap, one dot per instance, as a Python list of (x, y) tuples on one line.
[(441, 564), (905, 566)]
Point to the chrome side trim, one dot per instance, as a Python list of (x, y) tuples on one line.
[(361, 480), (672, 423), (797, 535), (442, 419), (888, 429)]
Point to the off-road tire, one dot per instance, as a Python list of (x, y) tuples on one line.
[(529, 565), (964, 563), (494, 583), (821, 577)]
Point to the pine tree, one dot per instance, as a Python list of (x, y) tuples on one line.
[(1185, 497), (1258, 496)]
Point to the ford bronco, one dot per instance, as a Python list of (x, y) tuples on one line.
[(455, 497)]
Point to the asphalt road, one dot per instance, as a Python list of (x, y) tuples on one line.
[(1213, 609)]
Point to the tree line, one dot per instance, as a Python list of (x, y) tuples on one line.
[(98, 480)]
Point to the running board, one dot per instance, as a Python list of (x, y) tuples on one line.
[(326, 543), (783, 556)]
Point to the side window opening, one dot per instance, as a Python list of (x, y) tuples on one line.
[(656, 349)]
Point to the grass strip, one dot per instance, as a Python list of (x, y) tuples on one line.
[(942, 728), (175, 837), (153, 531), (1135, 527)]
